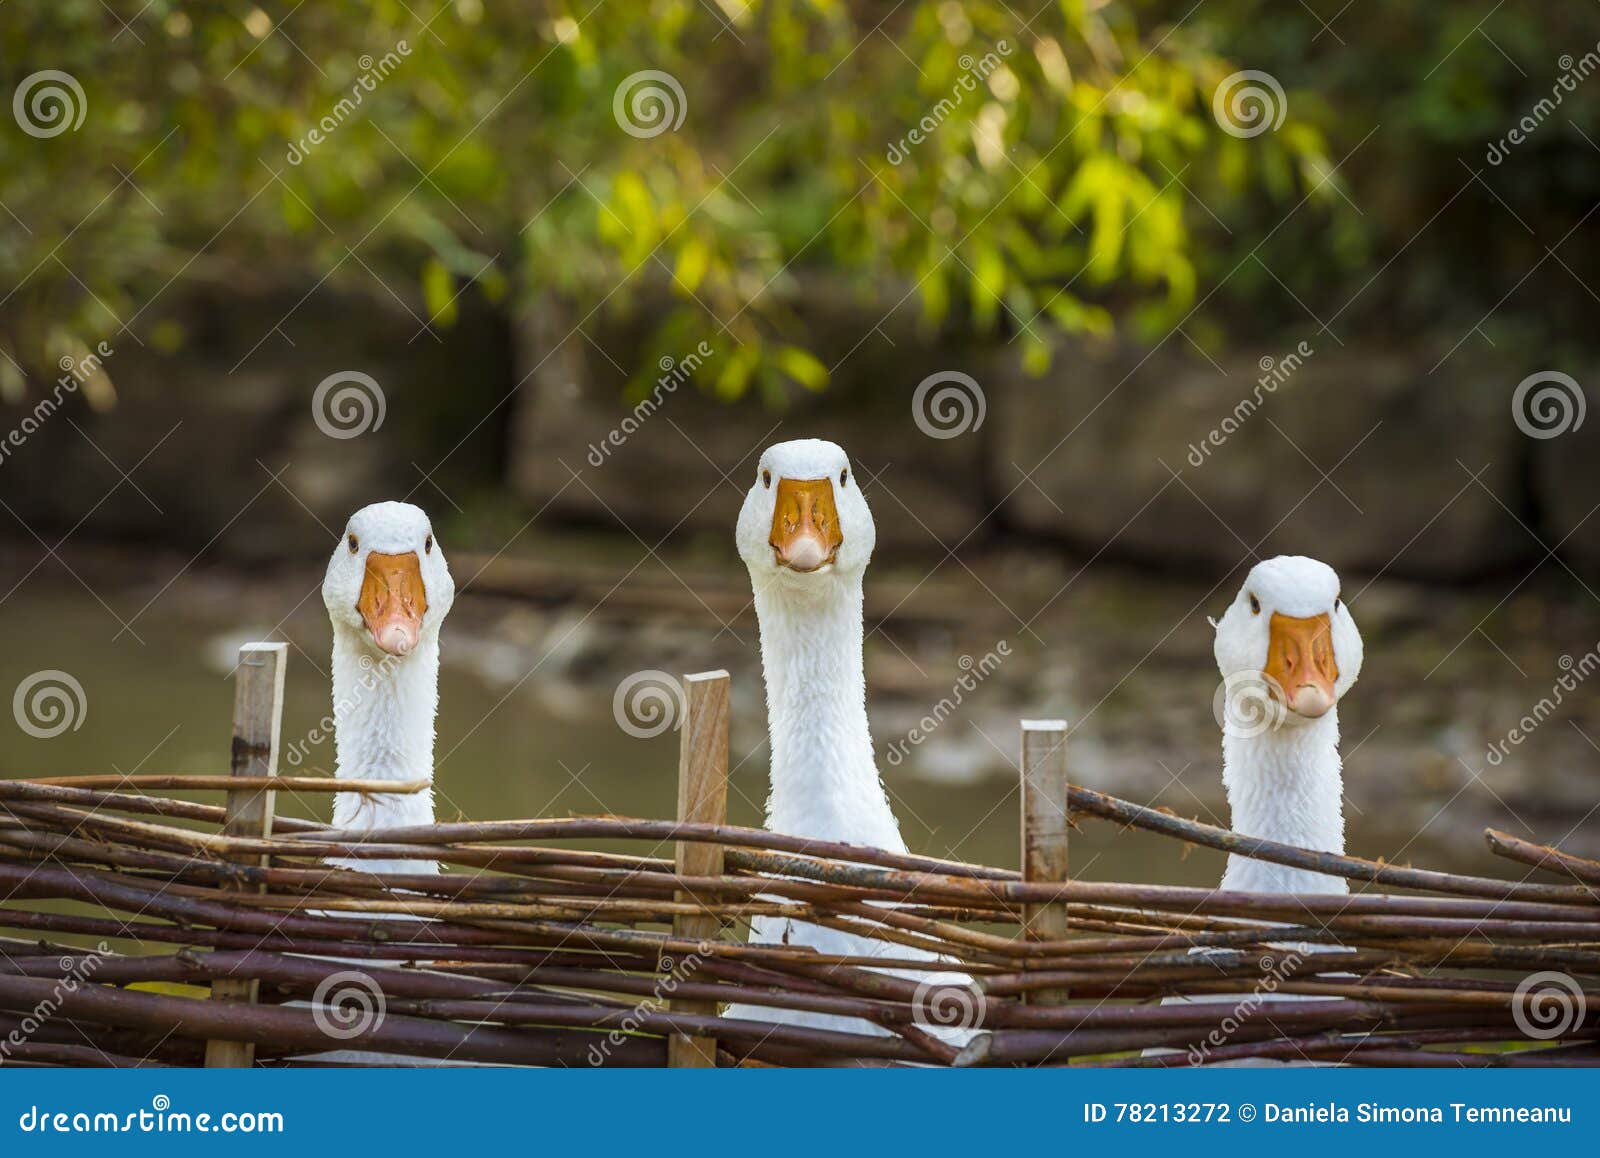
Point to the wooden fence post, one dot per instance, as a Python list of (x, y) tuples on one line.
[(1044, 834), (702, 799), (257, 725)]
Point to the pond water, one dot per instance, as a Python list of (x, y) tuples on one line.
[(526, 726), (165, 708)]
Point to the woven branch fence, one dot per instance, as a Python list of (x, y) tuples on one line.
[(224, 937)]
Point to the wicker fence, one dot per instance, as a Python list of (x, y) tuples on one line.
[(221, 936)]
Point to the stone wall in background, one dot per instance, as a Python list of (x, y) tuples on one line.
[(1357, 456), (682, 461), (1375, 460), (1567, 481), (189, 452)]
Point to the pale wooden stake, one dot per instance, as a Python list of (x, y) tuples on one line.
[(257, 725), (702, 799), (1044, 834)]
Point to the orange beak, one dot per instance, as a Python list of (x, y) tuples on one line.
[(805, 524), (393, 601), (1300, 661)]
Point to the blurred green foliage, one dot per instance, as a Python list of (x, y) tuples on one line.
[(1065, 169), (1442, 232)]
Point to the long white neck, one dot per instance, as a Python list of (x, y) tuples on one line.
[(1285, 785), (383, 709), (824, 780)]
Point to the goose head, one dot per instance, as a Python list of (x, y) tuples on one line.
[(1289, 630), (388, 585), (804, 523)]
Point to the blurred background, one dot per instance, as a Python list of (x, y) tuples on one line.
[(1107, 300)]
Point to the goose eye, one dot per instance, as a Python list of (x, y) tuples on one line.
[(766, 479), (427, 545), (844, 476), (1338, 604), (355, 544), (1255, 605)]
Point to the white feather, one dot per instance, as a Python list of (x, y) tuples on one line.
[(825, 782), (1284, 783), (384, 706)]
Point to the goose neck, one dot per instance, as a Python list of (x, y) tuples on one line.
[(824, 779), (383, 710), (1286, 785)]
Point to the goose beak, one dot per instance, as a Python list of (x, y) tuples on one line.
[(805, 525), (393, 601), (1301, 664)]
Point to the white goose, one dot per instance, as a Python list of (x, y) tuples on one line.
[(387, 591), (806, 535), (1288, 651)]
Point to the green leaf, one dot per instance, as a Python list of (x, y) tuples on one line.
[(439, 292), (1105, 243), (988, 284), (803, 367), (694, 259), (736, 372), (1036, 353)]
